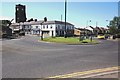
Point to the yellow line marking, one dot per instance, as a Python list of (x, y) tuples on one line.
[(100, 74), (85, 72)]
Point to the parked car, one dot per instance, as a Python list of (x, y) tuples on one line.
[(117, 36), (101, 36)]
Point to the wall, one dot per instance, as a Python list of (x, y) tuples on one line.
[(50, 28), (76, 32), (60, 28)]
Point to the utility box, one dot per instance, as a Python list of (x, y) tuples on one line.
[(81, 38)]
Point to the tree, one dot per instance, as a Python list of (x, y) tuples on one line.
[(30, 20), (114, 26)]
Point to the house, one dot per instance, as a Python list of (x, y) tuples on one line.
[(99, 30), (76, 32), (82, 32), (47, 29)]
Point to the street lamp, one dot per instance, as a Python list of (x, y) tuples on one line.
[(96, 23), (96, 27), (65, 33), (61, 17), (87, 25)]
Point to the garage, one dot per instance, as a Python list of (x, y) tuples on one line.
[(46, 34)]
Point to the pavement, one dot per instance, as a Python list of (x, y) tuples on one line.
[(28, 58)]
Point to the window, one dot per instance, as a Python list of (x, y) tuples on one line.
[(36, 26), (17, 9), (47, 26), (30, 26), (67, 27), (43, 27), (58, 26), (46, 32), (70, 27), (63, 27), (51, 27)]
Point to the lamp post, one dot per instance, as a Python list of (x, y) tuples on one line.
[(96, 23), (96, 27), (61, 17), (87, 25), (41, 32), (65, 33)]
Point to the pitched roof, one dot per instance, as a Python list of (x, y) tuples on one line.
[(39, 22)]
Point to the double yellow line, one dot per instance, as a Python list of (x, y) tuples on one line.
[(75, 74)]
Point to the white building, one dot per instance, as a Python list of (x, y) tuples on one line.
[(49, 28)]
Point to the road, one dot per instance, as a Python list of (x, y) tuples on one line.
[(28, 58)]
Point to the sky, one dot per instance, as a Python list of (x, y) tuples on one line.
[(78, 13)]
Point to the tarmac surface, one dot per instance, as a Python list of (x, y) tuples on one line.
[(28, 58)]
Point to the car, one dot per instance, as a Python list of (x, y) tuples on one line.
[(117, 36), (101, 36)]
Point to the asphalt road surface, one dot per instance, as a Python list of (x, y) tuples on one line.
[(28, 58)]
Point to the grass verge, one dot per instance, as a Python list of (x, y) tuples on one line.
[(69, 40)]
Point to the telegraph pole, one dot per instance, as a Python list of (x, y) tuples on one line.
[(65, 35)]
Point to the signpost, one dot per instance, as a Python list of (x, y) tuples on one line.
[(45, 20)]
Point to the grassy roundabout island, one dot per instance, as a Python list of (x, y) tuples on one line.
[(69, 40)]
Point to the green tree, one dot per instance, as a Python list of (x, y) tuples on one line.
[(114, 25), (3, 25)]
